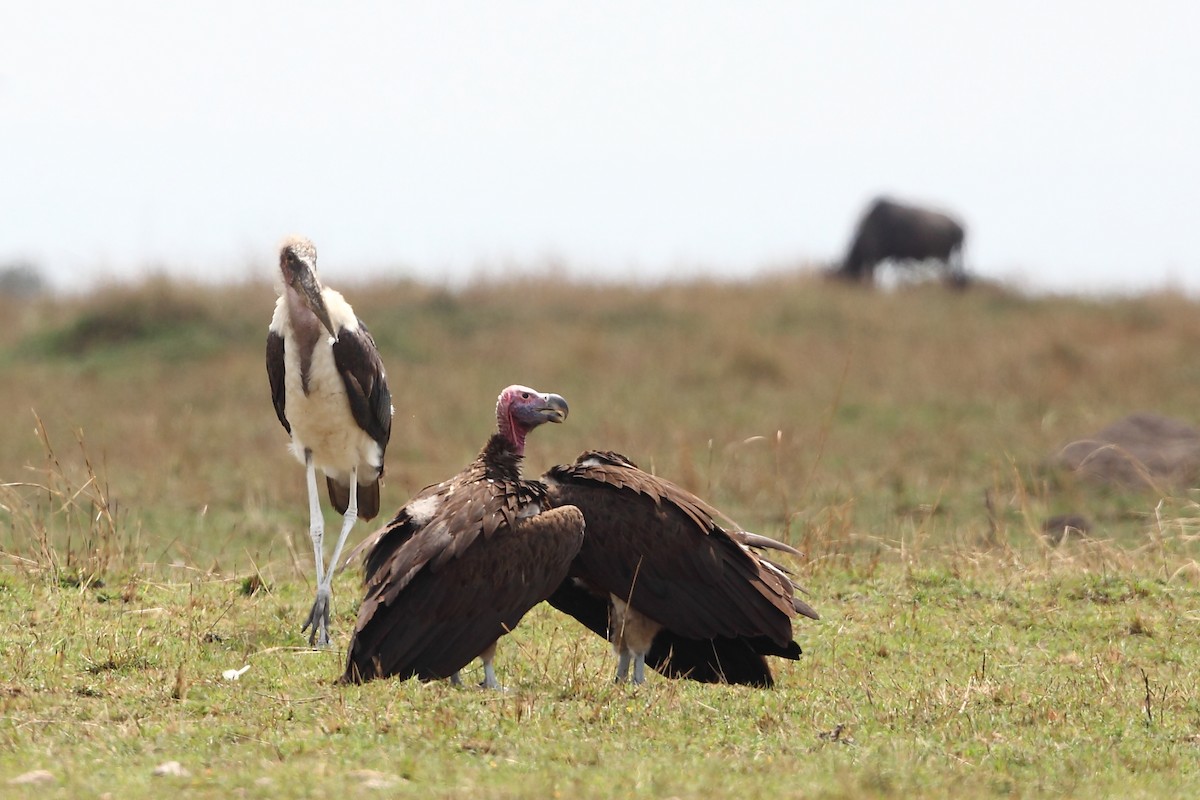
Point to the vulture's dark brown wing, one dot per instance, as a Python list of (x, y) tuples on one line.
[(362, 372), (275, 376), (441, 595), (657, 546)]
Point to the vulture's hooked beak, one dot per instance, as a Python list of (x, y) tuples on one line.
[(555, 408)]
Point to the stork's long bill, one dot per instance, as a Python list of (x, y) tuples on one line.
[(304, 280)]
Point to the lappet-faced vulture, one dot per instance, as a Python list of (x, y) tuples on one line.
[(667, 584), (331, 395), (463, 561)]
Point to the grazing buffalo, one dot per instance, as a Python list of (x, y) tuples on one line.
[(891, 230)]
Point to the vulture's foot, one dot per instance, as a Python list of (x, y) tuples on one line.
[(639, 669), (489, 679), (622, 667)]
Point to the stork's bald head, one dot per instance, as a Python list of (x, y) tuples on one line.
[(298, 266)]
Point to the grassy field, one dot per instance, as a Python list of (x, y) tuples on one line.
[(153, 534)]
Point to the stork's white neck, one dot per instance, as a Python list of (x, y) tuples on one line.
[(341, 314)]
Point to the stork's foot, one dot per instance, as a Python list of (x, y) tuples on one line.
[(318, 619)]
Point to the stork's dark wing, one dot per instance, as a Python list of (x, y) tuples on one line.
[(442, 593), (362, 372), (656, 545), (275, 376)]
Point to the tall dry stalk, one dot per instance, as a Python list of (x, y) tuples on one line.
[(63, 522)]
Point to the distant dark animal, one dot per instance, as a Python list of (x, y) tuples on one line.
[(331, 396), (464, 560), (893, 231), (668, 585)]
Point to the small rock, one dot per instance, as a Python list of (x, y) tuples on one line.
[(234, 674), (1066, 525), (370, 779), (838, 734), (170, 769), (36, 776)]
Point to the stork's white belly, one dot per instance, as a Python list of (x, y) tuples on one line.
[(321, 420)]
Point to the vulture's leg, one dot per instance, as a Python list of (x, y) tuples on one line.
[(318, 617), (623, 666), (489, 677), (639, 669), (455, 679), (489, 672), (633, 636)]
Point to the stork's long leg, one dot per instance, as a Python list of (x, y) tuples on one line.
[(348, 520), (318, 617), (316, 521)]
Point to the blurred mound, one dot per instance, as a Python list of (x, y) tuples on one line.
[(1140, 450)]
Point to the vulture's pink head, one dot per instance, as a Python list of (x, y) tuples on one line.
[(520, 409)]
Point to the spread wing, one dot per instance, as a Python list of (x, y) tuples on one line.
[(656, 545), (443, 586), (362, 372), (275, 376)]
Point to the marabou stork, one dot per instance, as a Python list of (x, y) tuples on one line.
[(667, 584), (331, 395), (465, 559)]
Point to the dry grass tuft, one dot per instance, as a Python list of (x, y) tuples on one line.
[(63, 522)]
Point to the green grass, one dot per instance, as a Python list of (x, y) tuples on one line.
[(153, 535), (1000, 681)]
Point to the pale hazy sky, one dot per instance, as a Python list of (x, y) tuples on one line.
[(623, 138)]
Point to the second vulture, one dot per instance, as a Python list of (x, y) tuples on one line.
[(668, 585)]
